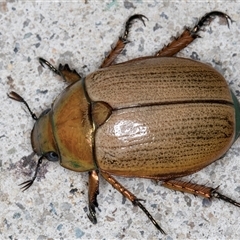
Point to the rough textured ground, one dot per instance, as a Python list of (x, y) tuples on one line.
[(81, 33)]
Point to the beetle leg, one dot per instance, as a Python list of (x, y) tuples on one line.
[(177, 44), (190, 34), (197, 189), (93, 191), (122, 41), (207, 19), (68, 75), (135, 201), (43, 62)]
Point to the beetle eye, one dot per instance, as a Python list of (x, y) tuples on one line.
[(52, 156), (44, 112)]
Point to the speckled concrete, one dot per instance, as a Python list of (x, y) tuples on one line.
[(80, 33)]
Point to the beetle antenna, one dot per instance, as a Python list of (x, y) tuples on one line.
[(218, 195), (17, 97), (27, 184)]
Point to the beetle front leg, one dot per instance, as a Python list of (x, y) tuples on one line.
[(197, 189), (135, 201), (122, 41), (190, 34), (93, 191), (68, 75)]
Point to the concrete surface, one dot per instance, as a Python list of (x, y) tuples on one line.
[(81, 33)]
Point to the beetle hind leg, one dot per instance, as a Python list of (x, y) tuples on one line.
[(189, 35), (207, 19), (135, 201), (197, 189)]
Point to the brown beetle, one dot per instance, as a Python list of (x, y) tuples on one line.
[(156, 117)]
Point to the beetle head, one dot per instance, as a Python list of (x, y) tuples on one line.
[(41, 138)]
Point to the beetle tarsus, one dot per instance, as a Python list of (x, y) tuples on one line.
[(129, 24), (122, 41), (206, 20), (49, 65), (136, 202), (189, 35), (218, 195), (92, 213), (92, 217), (93, 191)]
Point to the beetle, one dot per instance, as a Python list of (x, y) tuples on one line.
[(157, 117)]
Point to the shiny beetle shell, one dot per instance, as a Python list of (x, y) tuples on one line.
[(157, 118)]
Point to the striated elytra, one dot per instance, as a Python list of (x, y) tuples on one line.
[(157, 117)]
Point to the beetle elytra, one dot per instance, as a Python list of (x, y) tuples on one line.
[(157, 117)]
